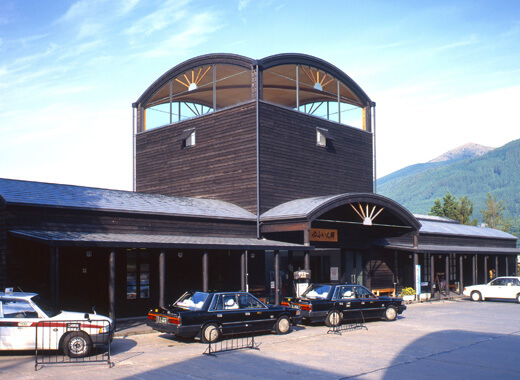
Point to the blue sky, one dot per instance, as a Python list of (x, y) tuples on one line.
[(443, 73)]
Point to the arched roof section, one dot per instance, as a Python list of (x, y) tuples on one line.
[(200, 61), (365, 204), (308, 60)]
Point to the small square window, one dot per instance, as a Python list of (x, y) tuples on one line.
[(323, 137), (188, 138), (321, 140)]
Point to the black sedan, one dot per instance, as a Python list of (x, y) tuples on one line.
[(212, 314), (334, 303)]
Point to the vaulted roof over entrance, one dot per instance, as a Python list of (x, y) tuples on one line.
[(357, 208)]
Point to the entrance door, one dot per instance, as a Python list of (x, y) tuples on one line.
[(352, 267)]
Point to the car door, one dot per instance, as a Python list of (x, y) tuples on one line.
[(496, 289), (18, 324), (370, 304), (258, 315), (345, 300), (229, 315)]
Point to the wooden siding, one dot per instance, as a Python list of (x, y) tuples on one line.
[(52, 219), (292, 166), (379, 269), (222, 164)]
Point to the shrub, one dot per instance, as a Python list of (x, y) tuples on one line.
[(408, 292)]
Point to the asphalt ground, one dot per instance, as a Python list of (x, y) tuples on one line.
[(456, 339)]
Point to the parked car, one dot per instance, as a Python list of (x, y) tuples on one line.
[(210, 315), (500, 287), (334, 303), (25, 317)]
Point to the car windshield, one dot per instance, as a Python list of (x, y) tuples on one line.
[(192, 300), (45, 307), (316, 291)]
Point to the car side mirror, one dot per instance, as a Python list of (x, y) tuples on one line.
[(87, 316)]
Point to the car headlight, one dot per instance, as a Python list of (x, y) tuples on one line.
[(105, 329)]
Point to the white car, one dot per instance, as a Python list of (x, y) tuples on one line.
[(500, 287), (29, 323)]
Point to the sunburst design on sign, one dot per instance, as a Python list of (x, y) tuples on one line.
[(193, 82), (366, 216)]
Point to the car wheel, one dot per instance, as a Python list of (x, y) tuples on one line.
[(283, 325), (333, 318), (476, 296), (518, 298), (390, 313), (77, 344), (210, 333)]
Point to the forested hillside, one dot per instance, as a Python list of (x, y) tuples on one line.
[(496, 172)]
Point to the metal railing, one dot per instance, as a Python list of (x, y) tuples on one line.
[(72, 341), (242, 337), (352, 320)]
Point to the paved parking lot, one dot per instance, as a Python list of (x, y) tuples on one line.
[(451, 340)]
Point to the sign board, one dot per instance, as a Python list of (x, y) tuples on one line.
[(321, 234), (302, 274), (334, 273), (418, 279)]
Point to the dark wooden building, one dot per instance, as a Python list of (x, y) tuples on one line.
[(244, 172)]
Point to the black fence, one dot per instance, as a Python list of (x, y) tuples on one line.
[(67, 341), (352, 320), (243, 337)]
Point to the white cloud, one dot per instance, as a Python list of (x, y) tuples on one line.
[(242, 4), (169, 13)]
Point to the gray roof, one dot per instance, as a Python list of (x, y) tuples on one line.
[(449, 228), (96, 239), (78, 197), (430, 248), (298, 208)]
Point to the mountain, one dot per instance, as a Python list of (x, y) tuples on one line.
[(470, 170), (463, 152)]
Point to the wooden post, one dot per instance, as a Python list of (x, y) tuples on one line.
[(432, 273), (277, 277), (496, 266), (307, 261), (243, 271), (416, 280), (461, 274), (112, 285), (447, 274), (162, 277), (485, 269), (474, 269), (507, 265), (205, 272)]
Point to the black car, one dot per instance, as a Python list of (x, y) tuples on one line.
[(334, 303), (212, 314)]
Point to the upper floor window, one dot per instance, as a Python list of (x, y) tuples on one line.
[(188, 138), (315, 92), (195, 92), (323, 137)]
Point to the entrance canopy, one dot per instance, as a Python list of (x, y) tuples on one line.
[(354, 208), (351, 215)]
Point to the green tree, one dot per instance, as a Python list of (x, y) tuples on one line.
[(465, 209), (493, 214), (459, 210)]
